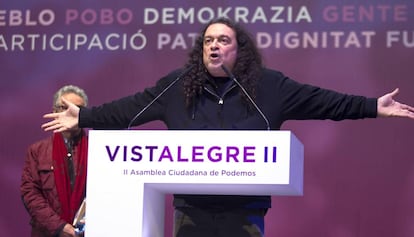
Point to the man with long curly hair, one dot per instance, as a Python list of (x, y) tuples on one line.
[(208, 97)]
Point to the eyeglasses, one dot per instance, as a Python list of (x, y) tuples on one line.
[(60, 108)]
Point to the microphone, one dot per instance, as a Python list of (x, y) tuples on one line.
[(247, 94), (184, 72)]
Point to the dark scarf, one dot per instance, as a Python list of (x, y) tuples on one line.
[(70, 200)]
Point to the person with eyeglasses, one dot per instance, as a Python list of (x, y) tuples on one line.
[(224, 85), (53, 182)]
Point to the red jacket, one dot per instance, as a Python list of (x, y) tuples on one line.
[(38, 190)]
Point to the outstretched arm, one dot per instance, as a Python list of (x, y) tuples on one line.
[(388, 107), (63, 121)]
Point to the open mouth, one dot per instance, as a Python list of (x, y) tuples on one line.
[(214, 56)]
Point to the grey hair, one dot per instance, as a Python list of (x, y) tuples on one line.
[(70, 89)]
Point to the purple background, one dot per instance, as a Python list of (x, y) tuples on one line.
[(359, 175)]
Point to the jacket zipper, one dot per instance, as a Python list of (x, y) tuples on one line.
[(220, 100)]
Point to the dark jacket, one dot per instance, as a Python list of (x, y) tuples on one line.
[(278, 97)]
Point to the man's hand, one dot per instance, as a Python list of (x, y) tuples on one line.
[(388, 107), (68, 231), (63, 121)]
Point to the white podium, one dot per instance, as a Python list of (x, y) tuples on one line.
[(129, 173)]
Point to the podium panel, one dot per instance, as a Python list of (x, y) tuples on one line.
[(129, 173)]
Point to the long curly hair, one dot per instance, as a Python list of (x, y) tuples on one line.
[(247, 68)]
